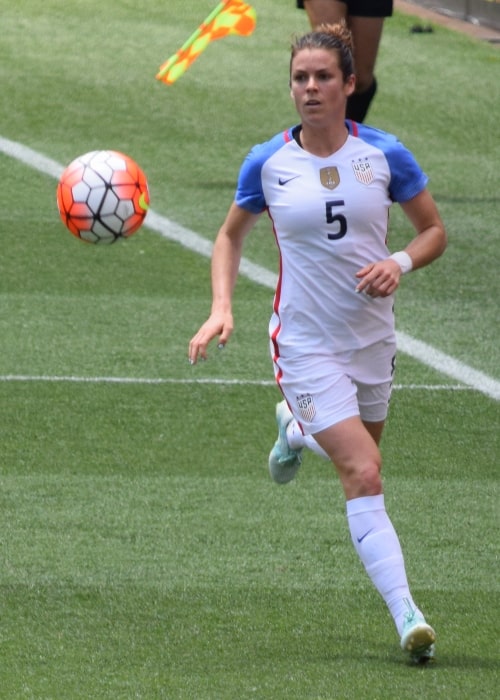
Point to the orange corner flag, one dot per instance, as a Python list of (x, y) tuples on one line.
[(229, 17)]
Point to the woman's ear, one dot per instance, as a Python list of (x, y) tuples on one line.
[(350, 85)]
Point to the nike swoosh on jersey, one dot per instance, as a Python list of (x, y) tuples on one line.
[(283, 181)]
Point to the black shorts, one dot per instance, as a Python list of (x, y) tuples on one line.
[(364, 8)]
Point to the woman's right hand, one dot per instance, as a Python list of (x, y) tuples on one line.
[(217, 324)]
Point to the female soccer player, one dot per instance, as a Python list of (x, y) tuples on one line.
[(327, 185), (365, 19)]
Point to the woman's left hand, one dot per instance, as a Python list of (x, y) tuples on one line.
[(380, 279)]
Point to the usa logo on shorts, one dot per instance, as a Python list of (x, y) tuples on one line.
[(305, 404)]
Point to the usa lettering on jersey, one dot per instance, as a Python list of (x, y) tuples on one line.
[(363, 171)]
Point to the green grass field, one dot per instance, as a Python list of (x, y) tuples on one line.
[(144, 552)]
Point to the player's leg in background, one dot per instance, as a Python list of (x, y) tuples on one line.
[(366, 34), (325, 11)]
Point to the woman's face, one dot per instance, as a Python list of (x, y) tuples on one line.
[(317, 86)]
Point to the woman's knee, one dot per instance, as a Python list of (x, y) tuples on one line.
[(362, 478)]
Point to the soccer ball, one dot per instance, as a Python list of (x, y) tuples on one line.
[(103, 196)]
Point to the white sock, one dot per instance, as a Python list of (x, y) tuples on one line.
[(297, 440), (377, 545)]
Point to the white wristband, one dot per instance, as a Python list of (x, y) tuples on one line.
[(403, 260)]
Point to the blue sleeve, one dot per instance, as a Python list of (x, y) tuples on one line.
[(407, 177), (249, 192)]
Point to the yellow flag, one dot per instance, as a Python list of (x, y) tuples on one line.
[(229, 17)]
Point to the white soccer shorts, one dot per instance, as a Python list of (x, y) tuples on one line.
[(323, 390)]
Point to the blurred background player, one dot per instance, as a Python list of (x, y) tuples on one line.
[(365, 19)]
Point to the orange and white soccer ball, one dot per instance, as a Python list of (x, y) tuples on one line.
[(103, 196)]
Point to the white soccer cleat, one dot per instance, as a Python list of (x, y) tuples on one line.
[(418, 638), (283, 461)]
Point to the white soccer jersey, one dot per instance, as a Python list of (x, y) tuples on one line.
[(330, 219)]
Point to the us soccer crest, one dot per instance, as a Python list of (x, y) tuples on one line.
[(329, 177), (363, 171), (307, 409)]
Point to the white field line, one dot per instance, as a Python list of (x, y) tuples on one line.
[(133, 380), (421, 351), (201, 380)]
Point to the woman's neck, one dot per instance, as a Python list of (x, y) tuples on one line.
[(323, 142)]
